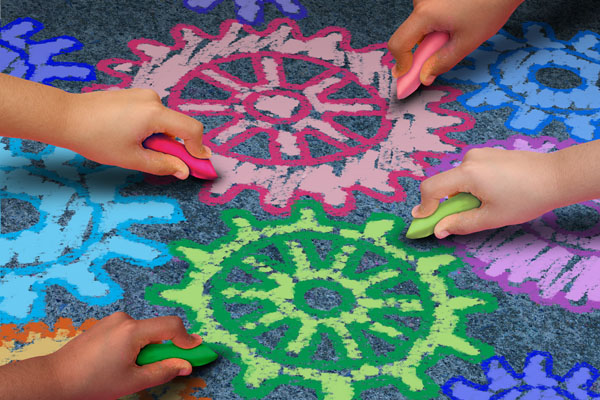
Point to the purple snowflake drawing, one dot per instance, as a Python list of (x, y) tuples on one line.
[(536, 382), (550, 258), (251, 11)]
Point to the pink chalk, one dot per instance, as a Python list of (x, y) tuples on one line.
[(202, 169), (410, 81)]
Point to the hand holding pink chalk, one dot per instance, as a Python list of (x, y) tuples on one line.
[(202, 169), (410, 81)]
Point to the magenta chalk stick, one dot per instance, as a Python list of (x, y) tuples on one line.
[(410, 81), (200, 168)]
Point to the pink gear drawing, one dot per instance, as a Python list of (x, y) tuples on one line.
[(290, 114), (551, 264)]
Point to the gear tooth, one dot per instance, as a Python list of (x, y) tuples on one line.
[(541, 36), (508, 76), (272, 289), (377, 230), (279, 97)]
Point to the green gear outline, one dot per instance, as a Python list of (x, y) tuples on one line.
[(447, 306)]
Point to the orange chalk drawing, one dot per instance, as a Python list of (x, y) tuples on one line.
[(38, 339)]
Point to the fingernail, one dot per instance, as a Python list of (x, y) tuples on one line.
[(206, 152), (429, 80), (180, 175), (415, 209), (443, 234), (184, 372)]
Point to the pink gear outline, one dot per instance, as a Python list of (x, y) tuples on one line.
[(152, 53), (350, 204), (175, 102)]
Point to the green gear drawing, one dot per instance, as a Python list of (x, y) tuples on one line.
[(281, 264)]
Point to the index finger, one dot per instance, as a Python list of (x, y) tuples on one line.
[(177, 124), (404, 40), (155, 330), (444, 184)]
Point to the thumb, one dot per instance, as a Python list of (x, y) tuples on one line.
[(162, 372), (435, 188), (462, 223), (157, 163)]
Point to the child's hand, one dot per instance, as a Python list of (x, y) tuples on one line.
[(468, 22), (109, 128), (100, 363), (513, 186)]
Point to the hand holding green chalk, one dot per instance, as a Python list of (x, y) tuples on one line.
[(197, 356), (423, 227)]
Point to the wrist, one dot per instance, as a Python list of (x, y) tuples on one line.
[(561, 184), (75, 113)]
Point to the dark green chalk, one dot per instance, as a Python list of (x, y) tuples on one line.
[(197, 356), (423, 227)]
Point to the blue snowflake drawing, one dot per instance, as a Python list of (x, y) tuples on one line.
[(83, 222), (251, 11), (511, 72), (536, 382), (80, 219), (23, 57)]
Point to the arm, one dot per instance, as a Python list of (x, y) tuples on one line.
[(513, 186), (468, 22), (106, 127), (100, 363), (33, 378)]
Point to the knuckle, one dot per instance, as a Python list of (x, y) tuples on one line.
[(426, 187), (474, 154), (426, 10), (120, 315), (149, 94), (469, 169), (173, 322), (128, 326), (391, 45)]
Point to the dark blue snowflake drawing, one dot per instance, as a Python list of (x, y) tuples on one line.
[(251, 11), (514, 73), (536, 382), (23, 57)]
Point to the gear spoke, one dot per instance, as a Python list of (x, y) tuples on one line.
[(318, 295)]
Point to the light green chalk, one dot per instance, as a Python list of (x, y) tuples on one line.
[(423, 227)]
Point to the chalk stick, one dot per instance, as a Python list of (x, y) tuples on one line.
[(197, 356), (423, 227), (410, 81), (200, 168)]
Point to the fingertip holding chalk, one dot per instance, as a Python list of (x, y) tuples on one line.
[(411, 81), (197, 356), (200, 168), (423, 227)]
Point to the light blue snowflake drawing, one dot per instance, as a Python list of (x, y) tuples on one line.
[(251, 11), (26, 58), (81, 219), (536, 382), (83, 222), (511, 72)]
